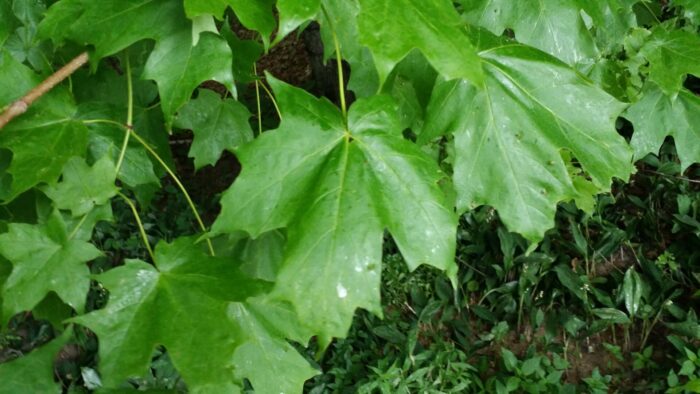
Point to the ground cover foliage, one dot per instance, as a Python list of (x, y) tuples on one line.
[(511, 186)]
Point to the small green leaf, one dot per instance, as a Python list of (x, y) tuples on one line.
[(45, 259), (83, 187), (530, 366), (687, 368), (179, 67), (509, 360), (656, 116), (217, 125), (612, 315), (632, 291), (392, 28), (672, 54), (571, 281)]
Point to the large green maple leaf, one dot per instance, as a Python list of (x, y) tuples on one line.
[(513, 136), (656, 116), (336, 188), (45, 258), (182, 303), (392, 28), (41, 140)]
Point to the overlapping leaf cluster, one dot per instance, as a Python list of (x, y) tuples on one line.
[(460, 104)]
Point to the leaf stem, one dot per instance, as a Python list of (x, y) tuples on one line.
[(129, 115), (77, 226), (257, 98), (272, 97), (22, 105), (179, 185), (142, 231), (339, 66)]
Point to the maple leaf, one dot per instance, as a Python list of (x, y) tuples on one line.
[(392, 28), (255, 15), (41, 140), (179, 66), (187, 294), (45, 258), (341, 17), (112, 25), (292, 13), (672, 55), (336, 189), (217, 124), (509, 136), (33, 372), (83, 187), (555, 27), (656, 116)]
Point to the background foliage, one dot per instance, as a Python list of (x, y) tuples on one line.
[(513, 187)]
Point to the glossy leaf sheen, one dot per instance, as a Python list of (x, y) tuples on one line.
[(509, 136), (292, 13), (218, 125), (556, 27), (336, 189), (392, 28)]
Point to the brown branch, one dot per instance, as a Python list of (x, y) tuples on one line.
[(20, 106)]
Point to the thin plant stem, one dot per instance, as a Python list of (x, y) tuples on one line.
[(179, 185), (129, 115), (77, 226), (272, 97), (339, 65), (20, 106), (647, 331), (142, 231), (257, 99), (105, 121)]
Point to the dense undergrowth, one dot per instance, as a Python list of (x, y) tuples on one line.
[(374, 196)]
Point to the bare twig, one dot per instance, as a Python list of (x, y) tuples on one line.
[(20, 106)]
